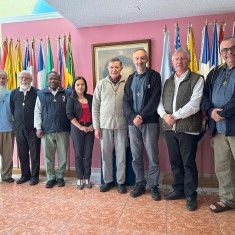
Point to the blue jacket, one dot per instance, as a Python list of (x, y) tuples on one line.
[(228, 111), (53, 114), (152, 95)]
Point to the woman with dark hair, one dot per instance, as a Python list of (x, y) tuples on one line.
[(78, 110)]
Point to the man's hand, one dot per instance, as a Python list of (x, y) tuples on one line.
[(137, 120), (98, 134), (39, 133), (215, 115), (169, 119)]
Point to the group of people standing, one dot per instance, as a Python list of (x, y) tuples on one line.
[(119, 107)]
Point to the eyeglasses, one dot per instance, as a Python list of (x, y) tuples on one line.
[(180, 59), (226, 50)]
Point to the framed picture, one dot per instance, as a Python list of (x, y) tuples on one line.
[(102, 53)]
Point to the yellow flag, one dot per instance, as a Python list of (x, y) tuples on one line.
[(19, 60), (10, 68), (193, 64)]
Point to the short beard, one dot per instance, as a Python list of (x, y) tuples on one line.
[(24, 87), (3, 91)]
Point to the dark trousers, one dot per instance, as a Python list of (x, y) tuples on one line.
[(83, 146), (182, 149), (27, 141)]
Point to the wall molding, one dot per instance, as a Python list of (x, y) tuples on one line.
[(42, 16)]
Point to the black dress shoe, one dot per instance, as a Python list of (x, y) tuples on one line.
[(174, 196), (33, 181), (106, 187), (155, 193), (51, 183), (22, 180), (138, 190), (121, 188), (60, 182), (8, 180), (191, 203)]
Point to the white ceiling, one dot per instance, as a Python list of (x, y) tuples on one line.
[(88, 13)]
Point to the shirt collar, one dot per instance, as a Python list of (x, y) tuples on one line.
[(21, 90), (114, 81)]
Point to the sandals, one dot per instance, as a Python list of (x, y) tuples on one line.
[(219, 208)]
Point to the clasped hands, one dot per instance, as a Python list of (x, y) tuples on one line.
[(169, 119), (216, 116)]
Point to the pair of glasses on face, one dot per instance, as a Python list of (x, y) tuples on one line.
[(180, 59), (226, 50)]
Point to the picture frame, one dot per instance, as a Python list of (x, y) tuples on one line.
[(102, 53)]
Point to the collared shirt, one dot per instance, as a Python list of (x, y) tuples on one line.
[(222, 92), (192, 107), (115, 81), (24, 91), (137, 87), (6, 121)]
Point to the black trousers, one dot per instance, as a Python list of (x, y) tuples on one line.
[(182, 149), (27, 141), (83, 146)]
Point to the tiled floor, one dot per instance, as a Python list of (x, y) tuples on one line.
[(36, 210)]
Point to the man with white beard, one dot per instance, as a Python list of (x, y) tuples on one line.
[(23, 101), (6, 137)]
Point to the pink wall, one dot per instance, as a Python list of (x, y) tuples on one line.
[(82, 39)]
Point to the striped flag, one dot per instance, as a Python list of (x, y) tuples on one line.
[(176, 40), (63, 53), (70, 73), (190, 43), (26, 56), (50, 62), (204, 63), (10, 68), (166, 65), (215, 56), (19, 60), (33, 67), (41, 67)]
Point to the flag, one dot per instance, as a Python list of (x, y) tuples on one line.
[(63, 53), (221, 32), (166, 65), (205, 53), (176, 40), (4, 53), (10, 68), (26, 56), (19, 60), (1, 57), (33, 67), (50, 62), (215, 56), (190, 43), (41, 67), (70, 73)]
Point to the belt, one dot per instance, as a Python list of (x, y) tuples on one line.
[(85, 123)]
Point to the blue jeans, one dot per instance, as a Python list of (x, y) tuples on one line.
[(145, 136)]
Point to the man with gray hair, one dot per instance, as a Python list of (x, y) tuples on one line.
[(22, 102), (6, 136), (179, 109), (110, 125)]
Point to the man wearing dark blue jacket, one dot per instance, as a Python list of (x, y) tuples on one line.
[(141, 98), (218, 103)]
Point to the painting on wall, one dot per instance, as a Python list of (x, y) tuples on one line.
[(102, 53)]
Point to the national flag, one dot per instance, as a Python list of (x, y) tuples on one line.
[(70, 73), (215, 56), (176, 40), (190, 43), (166, 65), (1, 57), (19, 60), (233, 28), (63, 53), (33, 67), (49, 62), (41, 67), (4, 53), (26, 56), (10, 68), (221, 32), (205, 53)]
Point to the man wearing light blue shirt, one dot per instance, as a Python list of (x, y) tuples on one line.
[(6, 137)]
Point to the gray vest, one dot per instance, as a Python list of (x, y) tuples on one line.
[(185, 91)]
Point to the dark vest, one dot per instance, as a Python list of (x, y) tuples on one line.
[(185, 91), (53, 114)]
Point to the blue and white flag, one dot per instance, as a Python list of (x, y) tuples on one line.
[(176, 41), (215, 56), (41, 67), (166, 64), (204, 62), (26, 64)]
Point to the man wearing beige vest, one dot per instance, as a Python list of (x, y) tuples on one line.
[(179, 109)]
